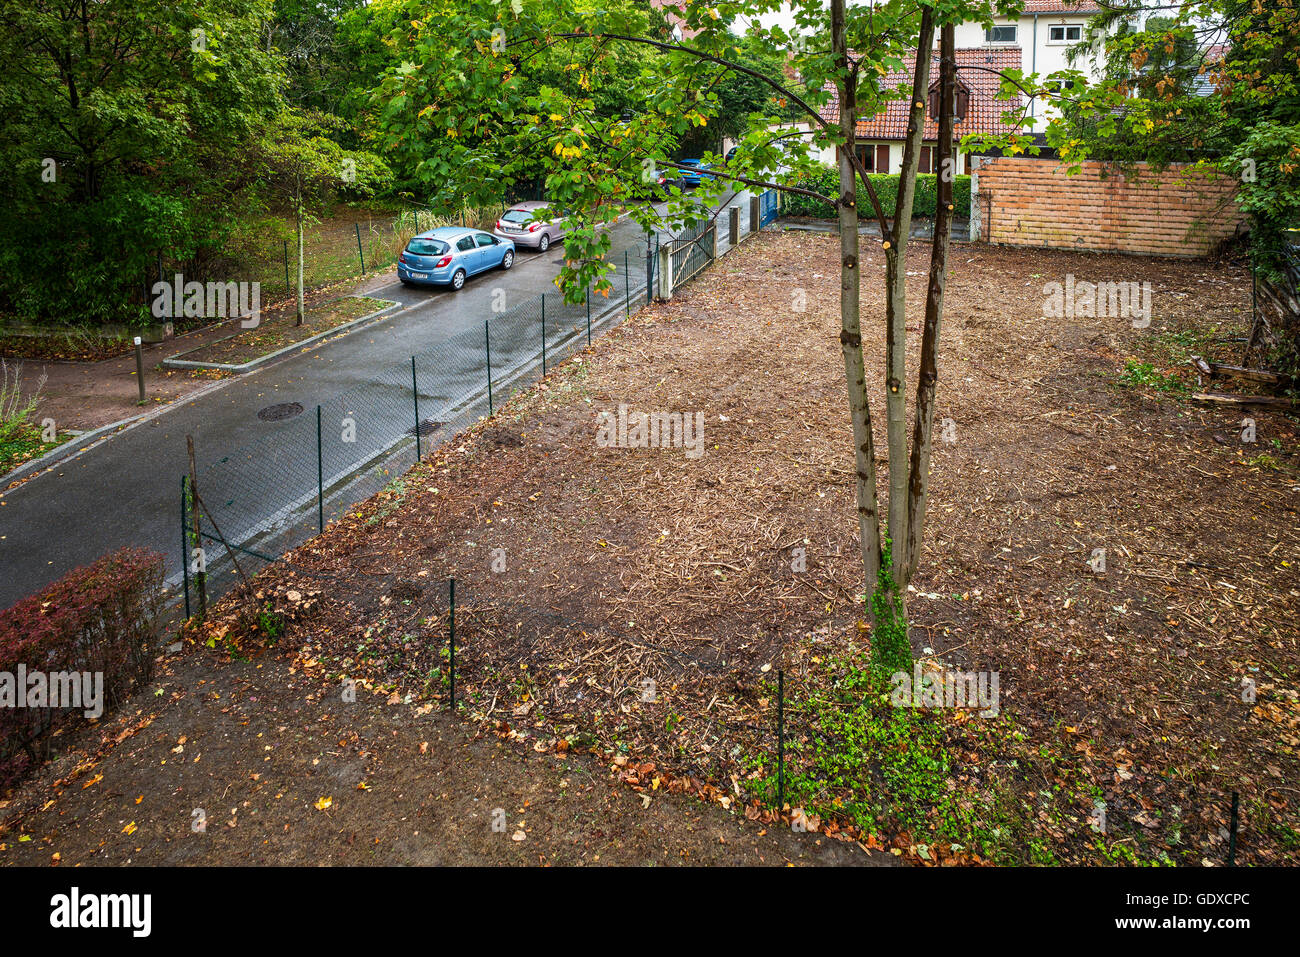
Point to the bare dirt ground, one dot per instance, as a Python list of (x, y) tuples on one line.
[(1124, 690), (279, 770), (637, 603)]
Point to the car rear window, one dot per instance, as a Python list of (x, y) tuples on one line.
[(523, 215), (426, 247)]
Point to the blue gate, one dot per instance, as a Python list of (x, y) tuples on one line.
[(766, 208)]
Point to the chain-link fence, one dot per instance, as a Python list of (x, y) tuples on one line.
[(255, 503)]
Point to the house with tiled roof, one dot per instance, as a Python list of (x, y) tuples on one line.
[(977, 108), (1043, 34)]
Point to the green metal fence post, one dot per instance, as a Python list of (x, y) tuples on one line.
[(288, 289), (627, 287), (451, 638), (320, 476), (415, 394), (185, 545), (487, 343), (780, 739), (588, 315), (543, 333), (360, 254)]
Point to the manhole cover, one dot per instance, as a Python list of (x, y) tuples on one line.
[(279, 412), (425, 427)]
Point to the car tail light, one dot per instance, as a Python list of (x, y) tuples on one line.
[(534, 227), (444, 261), (402, 258)]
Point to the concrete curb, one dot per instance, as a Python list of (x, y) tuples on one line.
[(347, 327), (74, 447)]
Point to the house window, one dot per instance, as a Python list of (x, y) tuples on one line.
[(1064, 33), (1004, 34), (874, 159), (960, 102)]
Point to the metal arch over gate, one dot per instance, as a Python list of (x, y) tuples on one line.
[(693, 250)]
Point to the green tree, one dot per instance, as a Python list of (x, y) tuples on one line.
[(122, 122), (301, 170), (1215, 85)]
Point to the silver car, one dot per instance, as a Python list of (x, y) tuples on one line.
[(534, 224)]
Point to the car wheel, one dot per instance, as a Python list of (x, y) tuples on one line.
[(458, 279), (508, 259), (544, 243)]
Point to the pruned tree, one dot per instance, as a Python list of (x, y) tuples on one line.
[(451, 92)]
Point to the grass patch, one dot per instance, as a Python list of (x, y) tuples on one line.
[(1145, 375), (25, 444), (854, 755)]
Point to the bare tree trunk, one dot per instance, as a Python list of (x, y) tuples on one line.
[(896, 301), (850, 318), (928, 374)]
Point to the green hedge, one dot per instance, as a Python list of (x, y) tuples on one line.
[(100, 621), (828, 181)]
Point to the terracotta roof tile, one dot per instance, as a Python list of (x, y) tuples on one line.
[(1061, 6), (983, 115)]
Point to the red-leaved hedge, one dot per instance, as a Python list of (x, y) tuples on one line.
[(101, 618)]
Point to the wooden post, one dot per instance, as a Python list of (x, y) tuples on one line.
[(201, 577), (733, 225), (753, 214)]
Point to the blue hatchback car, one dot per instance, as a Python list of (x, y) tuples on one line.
[(449, 255), (695, 175)]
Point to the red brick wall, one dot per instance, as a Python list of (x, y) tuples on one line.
[(1025, 201)]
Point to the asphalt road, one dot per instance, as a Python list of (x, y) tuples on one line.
[(126, 490)]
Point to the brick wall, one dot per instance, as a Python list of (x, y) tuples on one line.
[(1025, 201)]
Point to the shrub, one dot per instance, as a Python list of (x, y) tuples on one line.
[(15, 409), (100, 619), (827, 183)]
